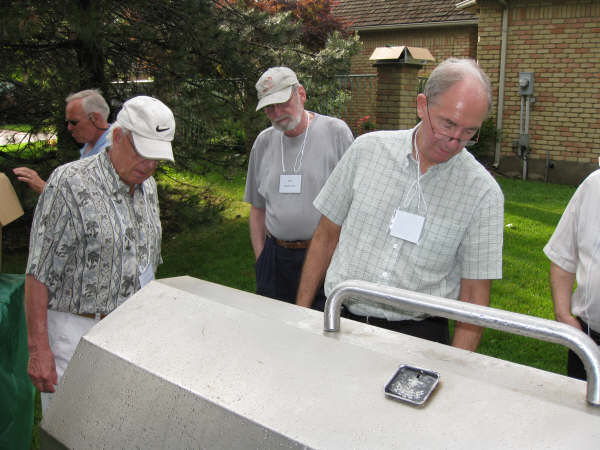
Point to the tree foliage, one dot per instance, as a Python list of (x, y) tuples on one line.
[(203, 56), (315, 16)]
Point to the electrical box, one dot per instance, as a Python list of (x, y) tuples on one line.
[(525, 83)]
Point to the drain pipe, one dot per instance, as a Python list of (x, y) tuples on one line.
[(498, 319), (501, 81)]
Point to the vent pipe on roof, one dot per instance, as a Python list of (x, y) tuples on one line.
[(465, 4)]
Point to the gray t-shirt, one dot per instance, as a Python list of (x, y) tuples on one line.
[(292, 216)]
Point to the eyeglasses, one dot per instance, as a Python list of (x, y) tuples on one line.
[(468, 137), (72, 122)]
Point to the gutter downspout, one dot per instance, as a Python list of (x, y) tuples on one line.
[(501, 81)]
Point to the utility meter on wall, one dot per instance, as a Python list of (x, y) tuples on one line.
[(525, 83)]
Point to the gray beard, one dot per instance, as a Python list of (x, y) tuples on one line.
[(293, 123)]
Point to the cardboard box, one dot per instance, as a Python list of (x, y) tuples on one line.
[(10, 207)]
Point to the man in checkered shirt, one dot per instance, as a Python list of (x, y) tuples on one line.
[(413, 209)]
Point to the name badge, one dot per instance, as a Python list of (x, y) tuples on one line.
[(290, 184), (146, 275), (407, 226)]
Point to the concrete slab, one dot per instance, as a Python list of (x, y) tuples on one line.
[(189, 364)]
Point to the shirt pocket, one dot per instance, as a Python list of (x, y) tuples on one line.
[(438, 247)]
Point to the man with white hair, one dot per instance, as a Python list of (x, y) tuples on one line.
[(86, 118), (289, 164), (96, 237), (413, 209)]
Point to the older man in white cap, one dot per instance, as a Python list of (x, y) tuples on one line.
[(289, 164), (95, 238)]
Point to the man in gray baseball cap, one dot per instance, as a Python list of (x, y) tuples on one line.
[(95, 238), (289, 163)]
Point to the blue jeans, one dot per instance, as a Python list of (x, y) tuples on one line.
[(278, 271)]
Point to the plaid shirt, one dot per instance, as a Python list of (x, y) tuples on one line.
[(461, 237), (90, 238)]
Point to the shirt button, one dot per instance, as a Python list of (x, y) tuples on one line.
[(385, 275), (395, 246)]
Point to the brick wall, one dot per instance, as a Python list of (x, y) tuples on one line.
[(442, 42), (396, 96), (560, 42)]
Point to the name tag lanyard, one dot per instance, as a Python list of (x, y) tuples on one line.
[(291, 184), (406, 225)]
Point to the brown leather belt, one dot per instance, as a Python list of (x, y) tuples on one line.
[(90, 315), (294, 245)]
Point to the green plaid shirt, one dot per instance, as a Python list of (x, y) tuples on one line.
[(461, 236), (90, 237)]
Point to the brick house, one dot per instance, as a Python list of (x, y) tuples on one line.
[(557, 40)]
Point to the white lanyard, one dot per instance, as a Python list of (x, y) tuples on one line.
[(300, 155), (416, 185)]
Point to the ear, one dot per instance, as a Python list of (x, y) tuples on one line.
[(301, 94), (118, 135), (421, 106)]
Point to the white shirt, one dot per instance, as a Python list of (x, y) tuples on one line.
[(575, 247)]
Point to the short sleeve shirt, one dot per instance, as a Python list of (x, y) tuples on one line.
[(462, 233), (91, 239), (575, 247), (292, 216)]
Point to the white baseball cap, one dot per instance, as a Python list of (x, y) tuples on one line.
[(275, 86), (152, 126)]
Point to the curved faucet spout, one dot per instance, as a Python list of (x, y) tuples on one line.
[(511, 322)]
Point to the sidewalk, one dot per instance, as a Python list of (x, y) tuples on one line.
[(19, 137)]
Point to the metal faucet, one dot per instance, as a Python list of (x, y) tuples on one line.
[(511, 322)]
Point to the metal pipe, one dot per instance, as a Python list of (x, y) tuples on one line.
[(522, 324), (501, 81)]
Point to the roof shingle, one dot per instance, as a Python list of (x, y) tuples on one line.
[(372, 13)]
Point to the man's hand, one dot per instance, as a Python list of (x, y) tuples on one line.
[(257, 230), (42, 369), (30, 177)]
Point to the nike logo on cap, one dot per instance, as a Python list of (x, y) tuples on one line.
[(161, 129)]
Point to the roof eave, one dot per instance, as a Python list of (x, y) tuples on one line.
[(409, 26)]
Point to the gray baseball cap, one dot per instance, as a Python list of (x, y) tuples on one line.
[(275, 86)]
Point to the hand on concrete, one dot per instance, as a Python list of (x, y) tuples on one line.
[(42, 370), (30, 177)]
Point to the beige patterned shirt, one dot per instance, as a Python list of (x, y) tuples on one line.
[(91, 239), (461, 237)]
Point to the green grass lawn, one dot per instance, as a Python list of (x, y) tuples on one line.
[(532, 210)]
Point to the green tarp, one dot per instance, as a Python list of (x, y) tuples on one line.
[(16, 391)]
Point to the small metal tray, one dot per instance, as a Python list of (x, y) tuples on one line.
[(412, 385)]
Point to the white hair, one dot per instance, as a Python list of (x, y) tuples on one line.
[(91, 102)]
